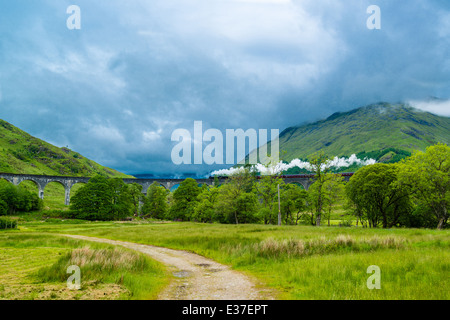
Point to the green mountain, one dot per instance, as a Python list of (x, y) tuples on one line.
[(23, 153), (385, 132)]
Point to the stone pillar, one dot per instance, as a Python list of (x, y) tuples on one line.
[(67, 195), (16, 181), (168, 185), (41, 193), (307, 185)]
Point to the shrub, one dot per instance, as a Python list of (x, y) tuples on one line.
[(7, 223), (347, 221)]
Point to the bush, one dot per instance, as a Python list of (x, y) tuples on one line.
[(7, 223), (17, 199), (346, 221), (421, 217)]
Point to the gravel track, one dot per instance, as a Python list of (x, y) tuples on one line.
[(195, 277)]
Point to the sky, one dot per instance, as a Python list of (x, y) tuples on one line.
[(117, 88)]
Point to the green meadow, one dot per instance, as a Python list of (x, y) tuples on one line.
[(296, 262), (34, 267)]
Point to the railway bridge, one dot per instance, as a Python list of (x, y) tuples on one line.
[(42, 181)]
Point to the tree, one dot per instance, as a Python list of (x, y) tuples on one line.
[(17, 199), (293, 203), (231, 206), (184, 200), (155, 203), (3, 208), (94, 200), (135, 191), (427, 175), (334, 191), (102, 199), (266, 189), (122, 198), (246, 205), (320, 168), (377, 196), (204, 210)]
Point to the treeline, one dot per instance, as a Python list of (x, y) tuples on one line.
[(412, 193)]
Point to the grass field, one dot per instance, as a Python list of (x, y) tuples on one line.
[(34, 266), (299, 262)]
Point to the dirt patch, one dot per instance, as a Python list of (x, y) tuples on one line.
[(90, 291)]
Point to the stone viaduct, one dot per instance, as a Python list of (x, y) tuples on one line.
[(68, 182)]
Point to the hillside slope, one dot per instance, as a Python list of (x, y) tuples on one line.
[(23, 153), (382, 131)]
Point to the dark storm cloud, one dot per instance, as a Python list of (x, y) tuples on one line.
[(116, 89)]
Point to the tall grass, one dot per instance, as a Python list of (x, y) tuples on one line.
[(278, 248), (143, 277), (95, 264)]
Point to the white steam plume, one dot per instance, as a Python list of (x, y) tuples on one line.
[(280, 167)]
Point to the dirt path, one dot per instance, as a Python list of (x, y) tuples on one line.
[(196, 277)]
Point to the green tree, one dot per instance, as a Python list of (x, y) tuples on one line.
[(334, 192), (122, 198), (293, 203), (155, 203), (230, 206), (94, 200), (320, 168), (184, 200), (102, 199), (427, 175), (377, 196), (135, 191), (18, 199), (204, 210), (3, 208), (266, 188), (246, 206)]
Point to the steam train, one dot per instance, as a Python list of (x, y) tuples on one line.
[(290, 176)]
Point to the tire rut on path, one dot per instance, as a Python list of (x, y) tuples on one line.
[(196, 277)]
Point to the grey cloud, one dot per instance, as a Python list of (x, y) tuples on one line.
[(137, 70)]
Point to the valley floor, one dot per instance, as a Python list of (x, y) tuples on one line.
[(293, 262)]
